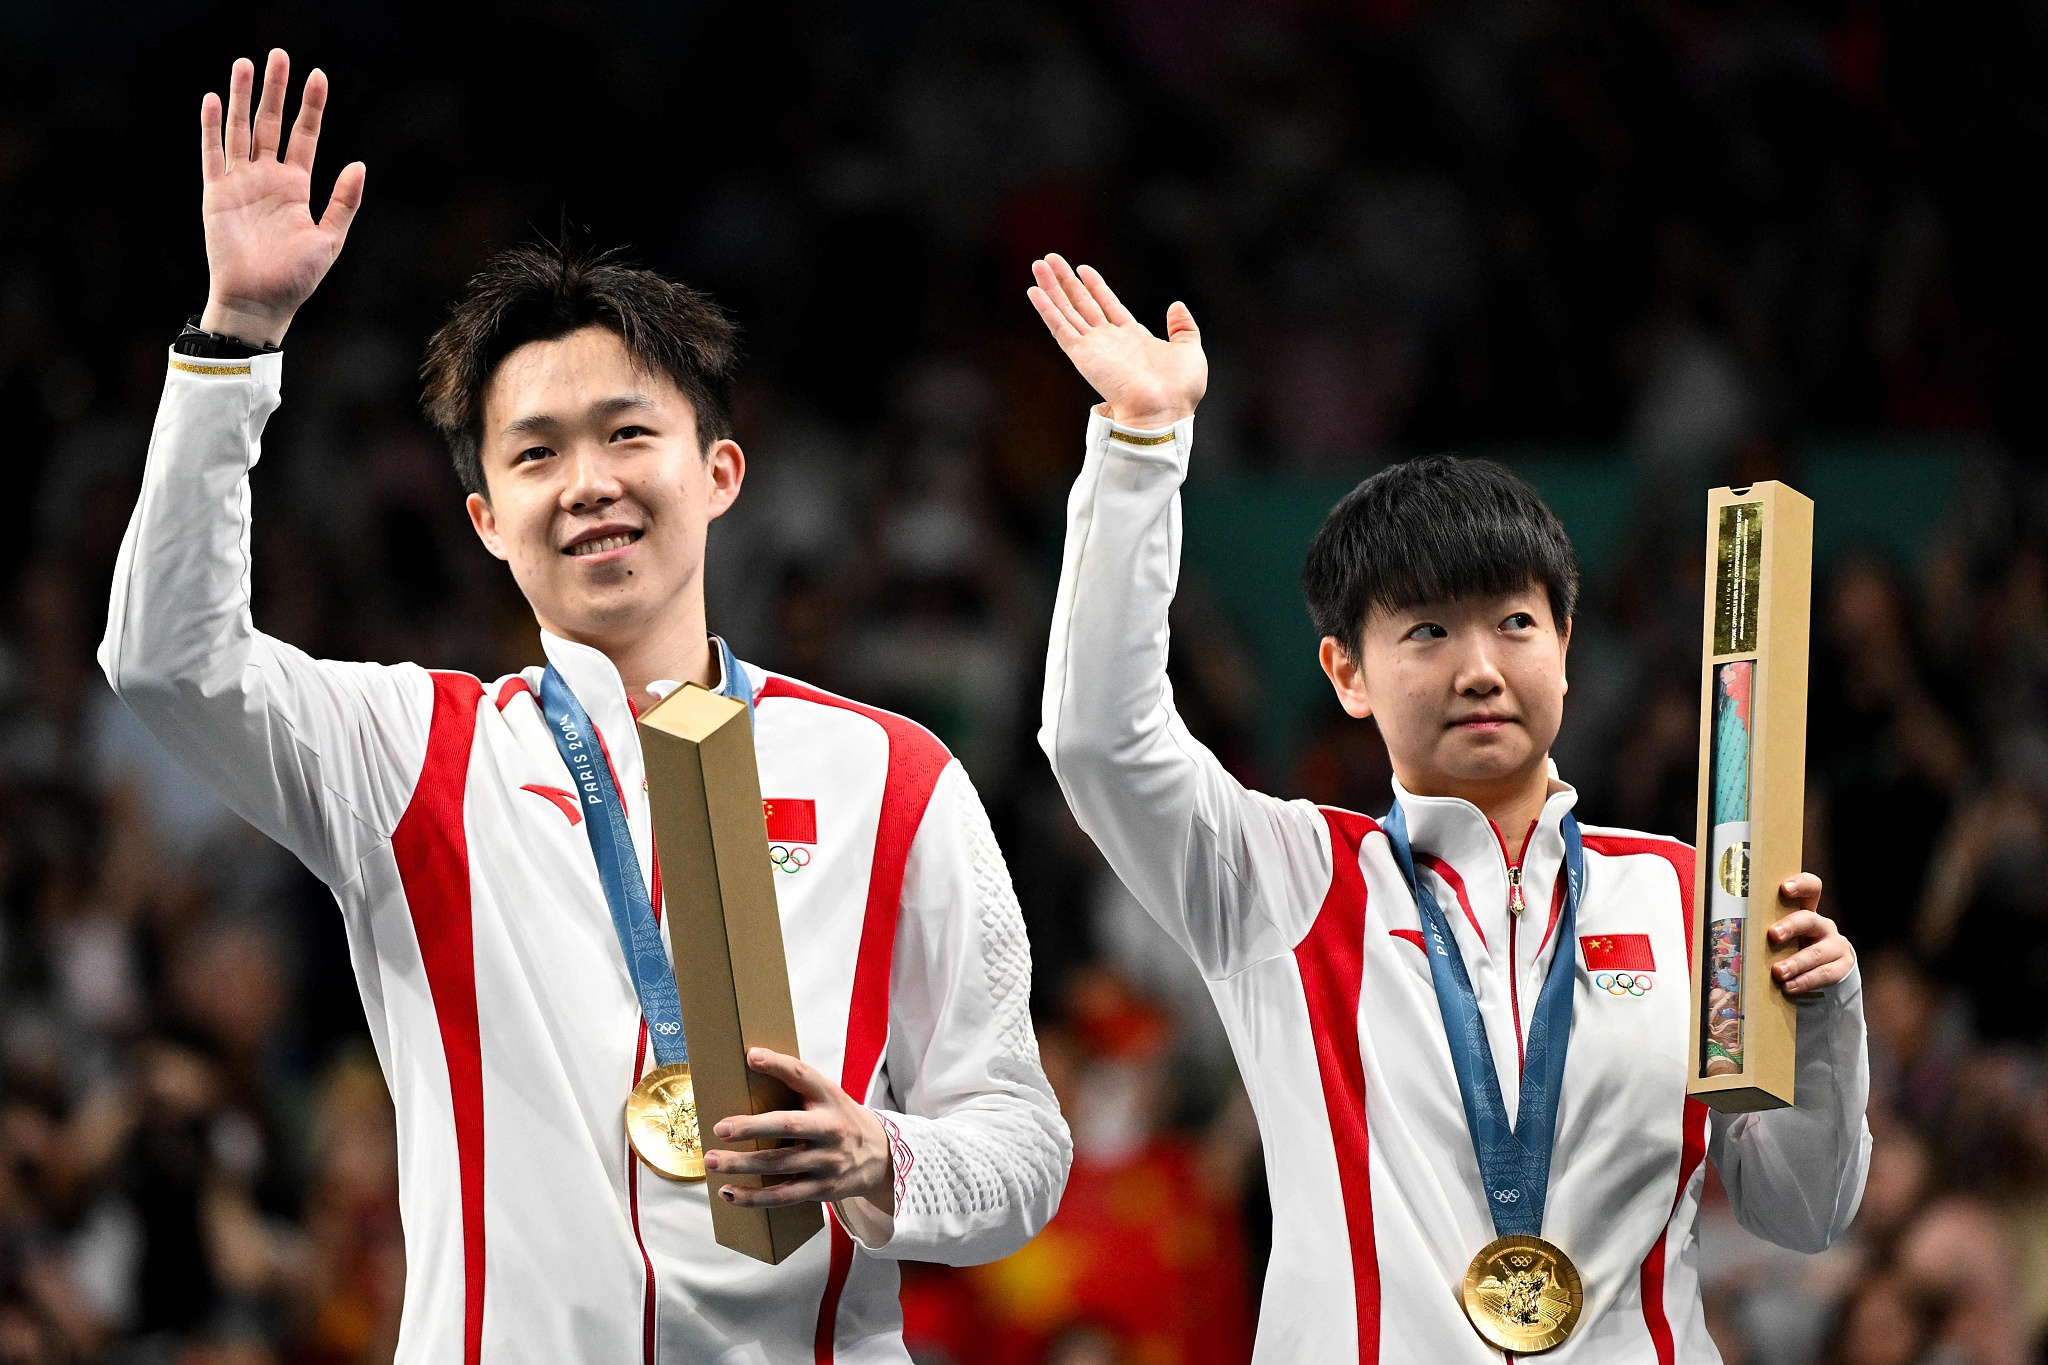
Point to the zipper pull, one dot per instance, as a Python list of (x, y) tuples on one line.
[(1515, 906)]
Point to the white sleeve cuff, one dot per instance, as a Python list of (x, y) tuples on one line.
[(265, 369), (1167, 445)]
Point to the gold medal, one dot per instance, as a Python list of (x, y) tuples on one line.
[(661, 1123), (1523, 1294)]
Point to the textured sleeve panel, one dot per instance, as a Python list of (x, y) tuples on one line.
[(1795, 1176), (321, 756), (1006, 952), (981, 1152)]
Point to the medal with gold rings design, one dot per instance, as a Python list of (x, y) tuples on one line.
[(1521, 1292), (661, 1113), (661, 1123)]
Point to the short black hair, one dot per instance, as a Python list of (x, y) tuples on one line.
[(539, 293), (1435, 529)]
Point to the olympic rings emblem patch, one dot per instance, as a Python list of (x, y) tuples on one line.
[(1625, 983), (789, 857)]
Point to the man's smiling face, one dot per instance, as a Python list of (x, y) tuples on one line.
[(1469, 693), (599, 493)]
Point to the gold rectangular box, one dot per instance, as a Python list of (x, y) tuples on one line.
[(1752, 792), (726, 936)]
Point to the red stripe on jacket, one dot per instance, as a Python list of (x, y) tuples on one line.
[(511, 688), (1331, 959), (916, 759), (1693, 1120), (648, 1292), (1557, 892), (432, 851), (633, 1200), (1457, 885)]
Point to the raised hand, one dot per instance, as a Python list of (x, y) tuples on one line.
[(1148, 383), (264, 251)]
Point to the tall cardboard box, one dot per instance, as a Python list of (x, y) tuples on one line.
[(725, 933), (1752, 792)]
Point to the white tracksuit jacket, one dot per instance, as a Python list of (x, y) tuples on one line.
[(1312, 947), (439, 811)]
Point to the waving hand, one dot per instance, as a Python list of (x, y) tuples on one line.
[(264, 250), (1148, 383)]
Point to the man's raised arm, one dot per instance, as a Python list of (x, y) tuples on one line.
[(1234, 876), (320, 756)]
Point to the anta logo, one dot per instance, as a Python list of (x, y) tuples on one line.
[(792, 831), (1621, 964), (563, 801)]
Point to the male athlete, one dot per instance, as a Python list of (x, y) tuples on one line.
[(587, 406), (1463, 1026)]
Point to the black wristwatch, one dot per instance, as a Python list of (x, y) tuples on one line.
[(197, 341)]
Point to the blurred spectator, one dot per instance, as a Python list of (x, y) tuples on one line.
[(1885, 1322), (1145, 1259), (1891, 753)]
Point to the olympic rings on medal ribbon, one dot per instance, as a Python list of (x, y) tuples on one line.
[(789, 858)]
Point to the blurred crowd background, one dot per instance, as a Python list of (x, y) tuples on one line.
[(1634, 249)]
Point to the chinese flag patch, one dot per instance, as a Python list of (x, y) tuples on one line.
[(1618, 953), (793, 821)]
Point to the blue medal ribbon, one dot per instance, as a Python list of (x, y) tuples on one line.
[(735, 683), (1514, 1159), (618, 866)]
